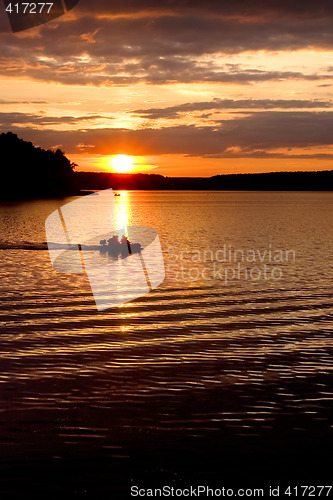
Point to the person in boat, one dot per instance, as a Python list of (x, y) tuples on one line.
[(125, 248), (113, 246), (103, 248)]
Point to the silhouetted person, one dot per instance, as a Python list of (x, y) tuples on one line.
[(125, 248), (113, 246), (103, 248)]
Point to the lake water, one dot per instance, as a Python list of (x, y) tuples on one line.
[(223, 374)]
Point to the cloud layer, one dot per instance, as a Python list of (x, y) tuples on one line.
[(257, 134), (168, 41), (151, 46), (228, 104)]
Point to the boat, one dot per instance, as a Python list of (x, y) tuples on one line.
[(124, 247)]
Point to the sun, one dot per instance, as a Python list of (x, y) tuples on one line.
[(122, 163)]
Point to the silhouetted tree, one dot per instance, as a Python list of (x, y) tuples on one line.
[(28, 171)]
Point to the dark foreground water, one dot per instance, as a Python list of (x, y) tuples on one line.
[(222, 376)]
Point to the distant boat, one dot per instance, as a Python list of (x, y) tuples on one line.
[(115, 247), (117, 194)]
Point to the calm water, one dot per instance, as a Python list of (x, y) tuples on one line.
[(222, 373)]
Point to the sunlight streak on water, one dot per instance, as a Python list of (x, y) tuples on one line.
[(124, 210)]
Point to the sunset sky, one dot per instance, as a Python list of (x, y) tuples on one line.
[(186, 87)]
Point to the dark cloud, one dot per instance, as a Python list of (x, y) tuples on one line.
[(148, 70), (163, 42), (12, 119), (260, 131), (227, 104), (278, 129), (4, 102), (280, 8), (244, 9), (260, 154)]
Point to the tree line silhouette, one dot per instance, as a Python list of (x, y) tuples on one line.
[(29, 171), (271, 181)]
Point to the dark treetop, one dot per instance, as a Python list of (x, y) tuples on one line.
[(27, 171)]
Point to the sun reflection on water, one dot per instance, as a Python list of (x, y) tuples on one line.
[(124, 210)]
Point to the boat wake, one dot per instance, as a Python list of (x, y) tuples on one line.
[(27, 245)]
